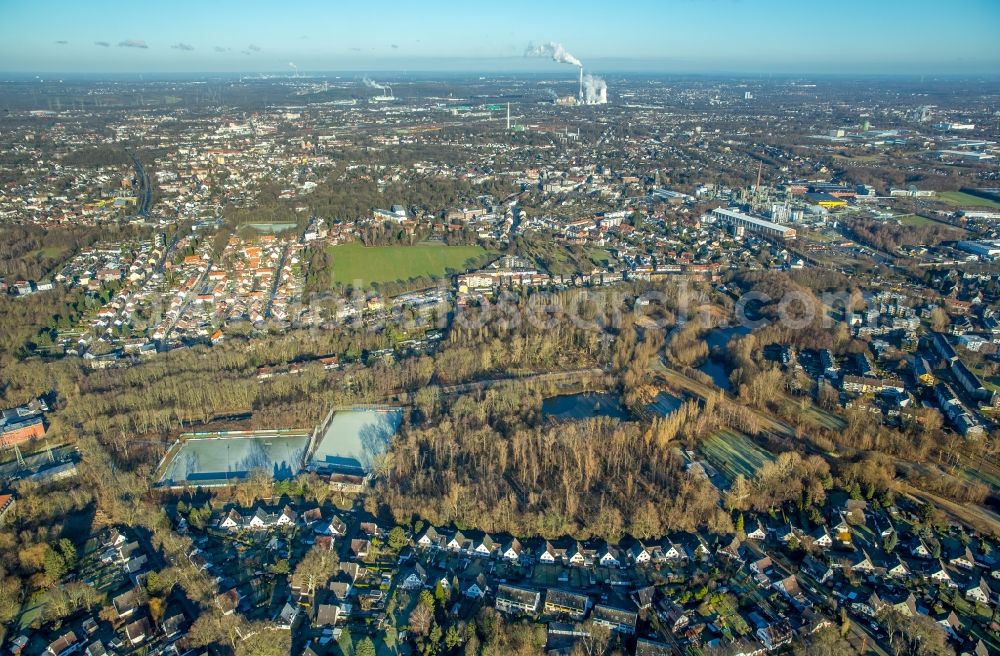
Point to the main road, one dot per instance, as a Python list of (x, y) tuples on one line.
[(145, 188)]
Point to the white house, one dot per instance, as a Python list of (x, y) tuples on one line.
[(979, 593), (261, 519), (415, 579), (609, 557), (335, 527), (639, 553), (485, 547), (512, 550), (430, 538), (821, 538), (231, 521), (287, 517), (457, 542), (757, 532), (940, 575), (899, 570)]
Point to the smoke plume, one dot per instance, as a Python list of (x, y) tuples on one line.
[(595, 90), (555, 51), (372, 84)]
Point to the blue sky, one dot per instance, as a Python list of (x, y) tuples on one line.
[(671, 36)]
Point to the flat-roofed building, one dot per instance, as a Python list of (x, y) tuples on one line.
[(753, 224), (988, 249)]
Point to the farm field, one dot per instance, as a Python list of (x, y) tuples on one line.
[(732, 453), (960, 199), (380, 264)]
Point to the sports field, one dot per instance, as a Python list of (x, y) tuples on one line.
[(379, 264), (216, 460), (959, 199)]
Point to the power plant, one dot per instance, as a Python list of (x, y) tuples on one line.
[(593, 90), (385, 96)]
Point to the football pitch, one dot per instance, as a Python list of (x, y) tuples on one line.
[(379, 264)]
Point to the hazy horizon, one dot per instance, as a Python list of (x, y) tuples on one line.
[(684, 36)]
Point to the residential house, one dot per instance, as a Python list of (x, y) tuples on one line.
[(790, 587), (616, 619), (821, 538), (415, 579), (643, 597), (126, 603), (477, 588), (430, 538), (516, 600), (172, 626), (458, 542), (7, 502), (335, 527), (576, 555), (673, 552), (360, 548), (859, 561), (756, 531), (896, 567), (312, 516), (231, 521), (731, 550), (775, 634), (512, 550), (371, 529), (979, 592), (228, 601), (609, 557), (647, 647), (919, 549), (327, 614), (261, 519), (95, 648), (961, 556), (287, 517), (672, 615), (785, 534), (139, 631), (485, 547), (67, 643), (566, 603), (288, 617), (817, 569), (948, 621), (758, 569), (938, 574), (549, 553), (977, 649)]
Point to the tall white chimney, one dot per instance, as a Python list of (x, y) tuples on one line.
[(581, 85)]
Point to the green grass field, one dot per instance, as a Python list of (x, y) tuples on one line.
[(915, 220), (380, 264), (732, 453), (53, 252), (959, 199)]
